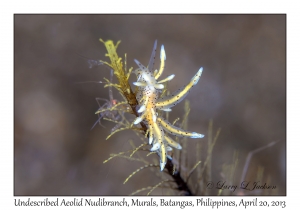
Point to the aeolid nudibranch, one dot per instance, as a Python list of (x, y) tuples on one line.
[(148, 96)]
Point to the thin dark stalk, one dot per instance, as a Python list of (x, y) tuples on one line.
[(182, 185)]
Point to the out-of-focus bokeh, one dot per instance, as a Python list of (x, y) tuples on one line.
[(242, 89)]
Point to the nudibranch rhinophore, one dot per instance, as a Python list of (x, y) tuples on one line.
[(148, 96)]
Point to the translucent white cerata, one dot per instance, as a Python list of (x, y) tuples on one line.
[(148, 95)]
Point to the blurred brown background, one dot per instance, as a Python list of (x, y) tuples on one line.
[(242, 88)]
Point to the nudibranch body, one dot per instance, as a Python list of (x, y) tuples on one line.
[(148, 95)]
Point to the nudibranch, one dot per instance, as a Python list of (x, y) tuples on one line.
[(148, 96)]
